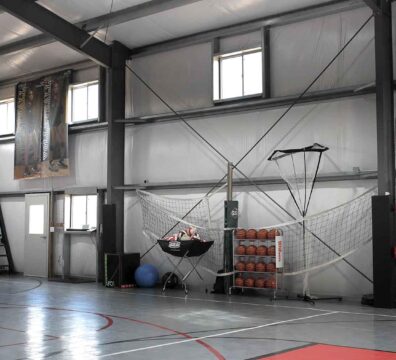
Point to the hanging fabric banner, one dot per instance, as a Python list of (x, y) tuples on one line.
[(41, 141), (28, 133), (55, 139)]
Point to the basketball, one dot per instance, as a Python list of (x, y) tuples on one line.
[(271, 283), (240, 266), (259, 283), (238, 281), (260, 267), (240, 233), (271, 267), (250, 266), (272, 250), (249, 282), (271, 234), (241, 250), (262, 250), (262, 234), (251, 234), (251, 250)]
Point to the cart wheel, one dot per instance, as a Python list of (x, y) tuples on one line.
[(206, 291)]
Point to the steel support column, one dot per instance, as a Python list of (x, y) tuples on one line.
[(115, 110), (384, 266)]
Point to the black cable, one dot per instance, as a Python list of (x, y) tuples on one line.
[(176, 113)]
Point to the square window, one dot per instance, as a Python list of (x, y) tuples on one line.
[(80, 211), (237, 74), (83, 102)]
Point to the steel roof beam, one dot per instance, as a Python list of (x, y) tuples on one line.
[(112, 19), (58, 28)]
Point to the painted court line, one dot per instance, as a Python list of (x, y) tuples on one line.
[(229, 302), (216, 335), (254, 304)]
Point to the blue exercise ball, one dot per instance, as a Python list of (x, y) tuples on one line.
[(146, 276)]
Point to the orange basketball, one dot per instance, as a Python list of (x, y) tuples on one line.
[(249, 282), (240, 266), (272, 250), (251, 234), (251, 250), (239, 281), (260, 267), (271, 283), (240, 233), (261, 250), (250, 266), (241, 250), (259, 283), (262, 234), (271, 267), (271, 234)]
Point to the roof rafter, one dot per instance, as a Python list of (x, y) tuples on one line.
[(118, 17), (60, 29)]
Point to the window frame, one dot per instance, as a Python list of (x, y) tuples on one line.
[(239, 53), (68, 208), (8, 101), (85, 84)]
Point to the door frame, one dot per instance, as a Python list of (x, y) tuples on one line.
[(46, 230)]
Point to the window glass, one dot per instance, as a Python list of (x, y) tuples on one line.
[(237, 74), (78, 211), (36, 219), (93, 103), (83, 211), (7, 117), (79, 104), (252, 73), (92, 210), (3, 119), (231, 77), (216, 81)]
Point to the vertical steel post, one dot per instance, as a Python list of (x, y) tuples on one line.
[(115, 110), (384, 266), (230, 221)]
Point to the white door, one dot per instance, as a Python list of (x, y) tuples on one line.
[(36, 234)]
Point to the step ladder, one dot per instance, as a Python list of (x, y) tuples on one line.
[(6, 263)]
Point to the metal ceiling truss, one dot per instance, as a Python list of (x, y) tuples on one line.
[(58, 28), (91, 25), (157, 6)]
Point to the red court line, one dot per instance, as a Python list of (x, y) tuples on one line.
[(109, 319), (210, 348), (332, 352)]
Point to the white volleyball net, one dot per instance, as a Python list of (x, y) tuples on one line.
[(330, 236)]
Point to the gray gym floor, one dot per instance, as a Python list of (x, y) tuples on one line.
[(41, 320)]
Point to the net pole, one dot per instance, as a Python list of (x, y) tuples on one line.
[(306, 275), (230, 221)]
